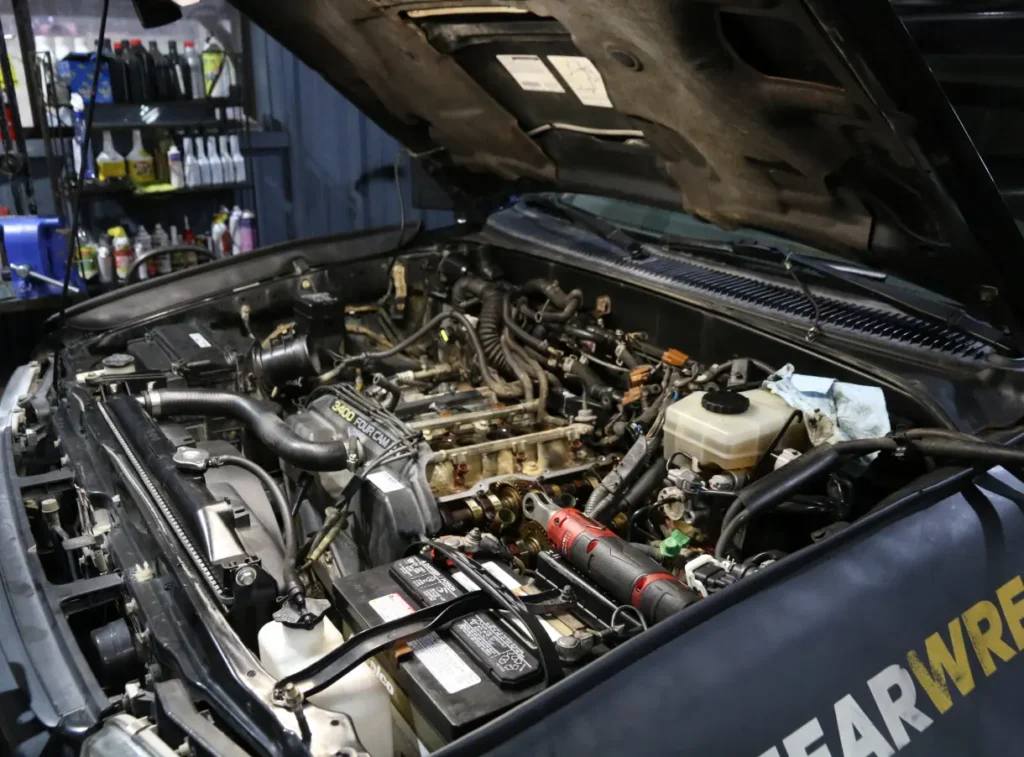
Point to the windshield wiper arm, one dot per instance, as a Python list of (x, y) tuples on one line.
[(874, 283)]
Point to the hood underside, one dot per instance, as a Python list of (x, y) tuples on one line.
[(817, 120)]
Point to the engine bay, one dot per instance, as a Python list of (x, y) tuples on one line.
[(420, 506)]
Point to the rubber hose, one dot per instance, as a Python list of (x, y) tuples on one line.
[(492, 305), (651, 480), (517, 330), (517, 368), (568, 302), (593, 384), (500, 388), (268, 428), (543, 386), (292, 585)]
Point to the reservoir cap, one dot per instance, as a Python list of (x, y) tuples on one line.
[(725, 403)]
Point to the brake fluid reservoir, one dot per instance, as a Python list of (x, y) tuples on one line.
[(729, 429), (360, 694)]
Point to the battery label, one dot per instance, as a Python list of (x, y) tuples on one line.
[(437, 657), (425, 582), (505, 659)]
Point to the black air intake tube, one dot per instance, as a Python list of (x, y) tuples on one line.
[(492, 307), (268, 428)]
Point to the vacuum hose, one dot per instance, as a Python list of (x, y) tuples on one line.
[(268, 428)]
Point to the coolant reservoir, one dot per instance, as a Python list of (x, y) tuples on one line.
[(360, 695), (729, 429)]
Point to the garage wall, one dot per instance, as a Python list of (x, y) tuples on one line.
[(337, 175)]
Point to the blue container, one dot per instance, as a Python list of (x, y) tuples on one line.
[(34, 242)]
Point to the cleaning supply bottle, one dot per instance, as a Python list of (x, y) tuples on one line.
[(160, 239), (189, 237), (216, 166), (122, 250), (140, 162), (105, 261), (175, 167), (234, 226), (110, 163), (80, 149), (195, 71), (226, 160), (143, 244), (179, 72), (88, 262), (192, 178), (216, 69), (237, 159), (178, 258), (203, 163), (247, 232)]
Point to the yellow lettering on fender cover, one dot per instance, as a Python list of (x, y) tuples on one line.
[(1013, 611), (987, 641), (942, 662)]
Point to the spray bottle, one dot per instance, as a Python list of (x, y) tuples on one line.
[(247, 232)]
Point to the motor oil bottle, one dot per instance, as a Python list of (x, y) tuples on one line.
[(118, 72), (139, 84), (163, 78), (179, 72)]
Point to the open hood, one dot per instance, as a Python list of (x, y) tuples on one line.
[(814, 119)]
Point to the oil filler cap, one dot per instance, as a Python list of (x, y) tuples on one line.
[(725, 403)]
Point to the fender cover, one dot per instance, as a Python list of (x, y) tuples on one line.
[(837, 654)]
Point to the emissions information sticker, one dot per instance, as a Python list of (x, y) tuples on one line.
[(440, 659), (531, 73), (200, 340), (583, 78)]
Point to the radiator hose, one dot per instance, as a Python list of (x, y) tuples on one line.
[(268, 428)]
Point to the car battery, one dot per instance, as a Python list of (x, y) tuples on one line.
[(458, 678)]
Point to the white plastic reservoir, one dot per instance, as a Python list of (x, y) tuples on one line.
[(729, 429), (360, 695)]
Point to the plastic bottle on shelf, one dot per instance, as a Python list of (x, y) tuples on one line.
[(122, 251), (148, 67), (234, 225), (80, 150), (118, 73), (105, 260), (163, 78), (189, 237), (143, 244), (247, 232), (175, 167), (216, 69), (139, 83), (216, 166), (160, 239), (195, 70), (205, 177), (179, 72), (110, 163), (140, 162), (179, 259), (192, 178), (218, 231), (226, 160), (237, 159), (88, 264)]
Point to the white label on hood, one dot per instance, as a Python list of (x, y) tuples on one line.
[(531, 73), (583, 78)]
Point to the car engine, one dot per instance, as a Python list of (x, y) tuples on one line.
[(491, 472)]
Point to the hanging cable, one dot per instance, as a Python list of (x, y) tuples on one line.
[(76, 204)]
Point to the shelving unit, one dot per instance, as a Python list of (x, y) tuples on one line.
[(175, 118)]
